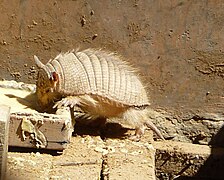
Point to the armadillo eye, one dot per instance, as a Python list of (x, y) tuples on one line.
[(49, 90)]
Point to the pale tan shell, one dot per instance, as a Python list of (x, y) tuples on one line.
[(99, 73)]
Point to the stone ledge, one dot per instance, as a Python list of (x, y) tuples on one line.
[(174, 159)]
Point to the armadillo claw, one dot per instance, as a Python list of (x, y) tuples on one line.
[(58, 104), (139, 131), (70, 101), (134, 138)]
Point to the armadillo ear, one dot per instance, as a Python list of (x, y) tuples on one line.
[(38, 62), (55, 77)]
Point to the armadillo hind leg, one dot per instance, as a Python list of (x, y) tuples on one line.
[(139, 118)]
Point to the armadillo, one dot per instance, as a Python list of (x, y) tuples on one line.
[(99, 83)]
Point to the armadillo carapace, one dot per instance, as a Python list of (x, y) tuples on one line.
[(99, 83)]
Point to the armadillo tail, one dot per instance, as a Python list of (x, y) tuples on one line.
[(150, 125)]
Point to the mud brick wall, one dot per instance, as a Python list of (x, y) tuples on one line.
[(178, 45)]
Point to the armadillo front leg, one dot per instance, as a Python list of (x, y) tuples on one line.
[(71, 102), (82, 103)]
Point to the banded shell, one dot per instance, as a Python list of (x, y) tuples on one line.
[(98, 73)]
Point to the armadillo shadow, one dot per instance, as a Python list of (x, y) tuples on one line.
[(100, 128), (19, 100), (28, 102)]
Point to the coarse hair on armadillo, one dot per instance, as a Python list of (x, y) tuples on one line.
[(100, 73), (100, 84)]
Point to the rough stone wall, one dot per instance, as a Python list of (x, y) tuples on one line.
[(177, 44)]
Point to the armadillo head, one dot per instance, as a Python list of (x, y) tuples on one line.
[(46, 86)]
